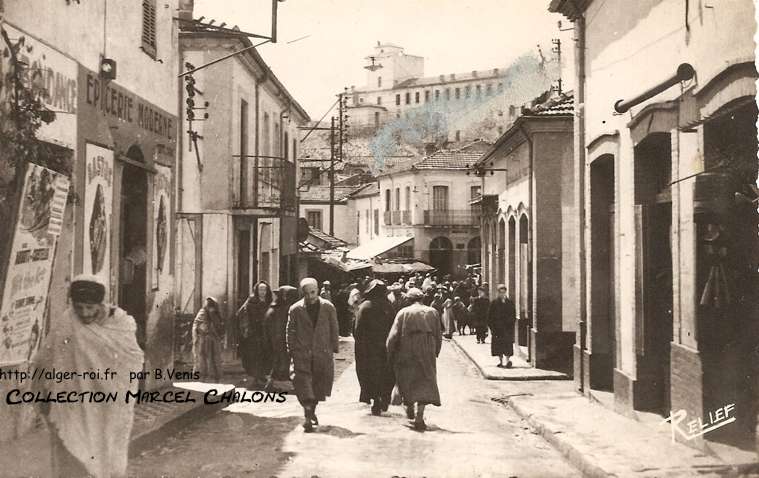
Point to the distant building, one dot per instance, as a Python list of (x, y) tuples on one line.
[(315, 208)]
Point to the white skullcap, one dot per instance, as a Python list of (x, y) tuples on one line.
[(307, 281)]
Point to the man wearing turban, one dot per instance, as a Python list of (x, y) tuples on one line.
[(90, 439)]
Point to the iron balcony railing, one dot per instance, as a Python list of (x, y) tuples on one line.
[(396, 218), (406, 217), (452, 217), (271, 185), (387, 217)]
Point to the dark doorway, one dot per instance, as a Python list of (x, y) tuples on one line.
[(243, 265), (525, 281), (474, 250), (501, 251), (512, 254), (133, 243), (602, 314), (653, 211), (441, 254)]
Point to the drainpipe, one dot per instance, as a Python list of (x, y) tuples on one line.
[(579, 196), (530, 231)]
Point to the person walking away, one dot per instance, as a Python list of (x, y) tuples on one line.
[(373, 322), (275, 325), (90, 439), (326, 292), (501, 317), (254, 348), (460, 315), (312, 339), (207, 331), (397, 298), (478, 316), (413, 346)]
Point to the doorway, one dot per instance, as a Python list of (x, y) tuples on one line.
[(441, 253), (133, 227), (603, 346)]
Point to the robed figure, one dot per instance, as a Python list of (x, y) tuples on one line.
[(275, 324), (373, 322), (413, 346)]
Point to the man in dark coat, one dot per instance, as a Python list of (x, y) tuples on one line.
[(478, 314), (312, 338), (373, 321), (275, 324), (501, 317)]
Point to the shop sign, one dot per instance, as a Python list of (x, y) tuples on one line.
[(98, 204)]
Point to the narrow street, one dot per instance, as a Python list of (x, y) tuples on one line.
[(470, 435)]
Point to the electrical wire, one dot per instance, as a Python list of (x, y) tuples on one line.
[(320, 120)]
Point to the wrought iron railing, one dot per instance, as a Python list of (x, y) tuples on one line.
[(452, 217)]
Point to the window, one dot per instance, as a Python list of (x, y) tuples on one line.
[(376, 119), (368, 224), (408, 198), (426, 96), (379, 100), (286, 143), (474, 192), (379, 82), (408, 98), (397, 199), (447, 93), (500, 87), (468, 91), (458, 135), (437, 95), (398, 99), (360, 100), (376, 222), (314, 219), (311, 176), (512, 110), (149, 27), (358, 223), (440, 198), (416, 97), (458, 93), (488, 89), (500, 130), (479, 91), (387, 199)]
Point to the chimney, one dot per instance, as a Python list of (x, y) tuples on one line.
[(186, 8)]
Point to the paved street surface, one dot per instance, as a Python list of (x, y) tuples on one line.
[(469, 436)]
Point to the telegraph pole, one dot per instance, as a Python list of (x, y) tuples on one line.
[(332, 178)]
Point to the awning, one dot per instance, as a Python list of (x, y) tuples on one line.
[(401, 268), (377, 246)]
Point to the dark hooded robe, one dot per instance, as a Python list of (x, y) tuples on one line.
[(275, 324), (373, 321), (501, 318), (254, 348)]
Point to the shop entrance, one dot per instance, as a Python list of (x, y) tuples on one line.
[(603, 346), (441, 254), (133, 242), (653, 214)]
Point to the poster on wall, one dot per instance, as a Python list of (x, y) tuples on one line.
[(161, 227), (33, 247), (98, 201)]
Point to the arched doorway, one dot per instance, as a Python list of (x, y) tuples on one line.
[(133, 240), (441, 254), (525, 280), (501, 251), (473, 251), (511, 255)]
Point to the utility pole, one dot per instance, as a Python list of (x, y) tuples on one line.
[(332, 178)]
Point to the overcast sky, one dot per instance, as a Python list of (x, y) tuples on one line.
[(454, 36)]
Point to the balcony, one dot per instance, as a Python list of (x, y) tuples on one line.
[(406, 218), (452, 217), (270, 185), (387, 217), (396, 218)]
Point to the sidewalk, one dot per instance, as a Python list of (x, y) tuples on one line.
[(521, 370), (595, 439)]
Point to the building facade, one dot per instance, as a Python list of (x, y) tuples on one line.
[(431, 202), (528, 192), (237, 213), (315, 208), (117, 133), (665, 157)]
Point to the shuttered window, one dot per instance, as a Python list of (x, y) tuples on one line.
[(149, 27)]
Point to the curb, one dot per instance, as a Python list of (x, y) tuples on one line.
[(586, 466), (489, 376)]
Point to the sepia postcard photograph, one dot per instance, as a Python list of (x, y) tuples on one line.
[(379, 239)]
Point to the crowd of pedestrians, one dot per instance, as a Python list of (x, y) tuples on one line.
[(286, 343)]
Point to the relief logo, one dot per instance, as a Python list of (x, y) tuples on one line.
[(695, 427)]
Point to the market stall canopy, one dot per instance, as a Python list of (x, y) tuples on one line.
[(401, 267), (348, 265), (377, 246)]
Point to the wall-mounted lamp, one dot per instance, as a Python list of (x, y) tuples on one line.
[(108, 69)]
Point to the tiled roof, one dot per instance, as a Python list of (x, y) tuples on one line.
[(321, 193), (563, 106), (367, 190), (323, 236), (448, 160)]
